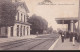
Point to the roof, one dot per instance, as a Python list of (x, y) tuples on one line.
[(66, 20), (22, 4), (71, 18)]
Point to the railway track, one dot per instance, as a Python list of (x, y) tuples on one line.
[(29, 44), (42, 45), (38, 44), (9, 45)]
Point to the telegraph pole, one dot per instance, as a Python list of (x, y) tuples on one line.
[(79, 21)]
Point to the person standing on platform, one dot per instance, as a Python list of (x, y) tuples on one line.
[(74, 33), (77, 36), (65, 34), (37, 33), (71, 36), (62, 36)]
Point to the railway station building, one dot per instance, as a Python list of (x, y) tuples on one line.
[(21, 27)]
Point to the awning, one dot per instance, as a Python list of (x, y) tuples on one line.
[(66, 20)]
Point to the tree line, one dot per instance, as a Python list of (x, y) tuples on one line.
[(8, 12), (38, 24)]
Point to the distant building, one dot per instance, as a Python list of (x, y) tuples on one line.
[(21, 26)]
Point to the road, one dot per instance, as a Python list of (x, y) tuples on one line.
[(38, 43)]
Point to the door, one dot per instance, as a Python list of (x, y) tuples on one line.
[(17, 30), (21, 31), (11, 31), (27, 31)]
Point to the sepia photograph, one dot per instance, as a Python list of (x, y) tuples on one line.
[(39, 24)]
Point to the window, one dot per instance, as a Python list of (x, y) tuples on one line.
[(27, 30), (21, 16), (24, 30), (18, 16), (24, 18)]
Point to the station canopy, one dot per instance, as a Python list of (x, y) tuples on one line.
[(66, 20)]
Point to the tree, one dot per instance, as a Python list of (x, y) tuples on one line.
[(38, 24), (7, 13), (50, 30)]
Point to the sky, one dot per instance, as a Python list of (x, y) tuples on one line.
[(60, 8)]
